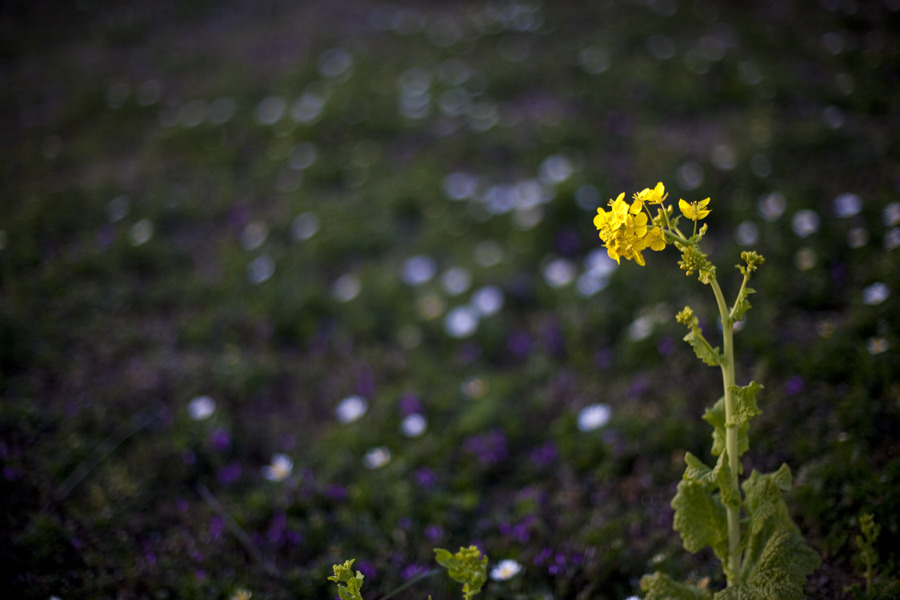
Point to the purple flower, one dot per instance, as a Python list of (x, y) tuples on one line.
[(552, 336), (434, 532), (220, 439), (519, 343), (793, 386), (665, 346), (230, 473), (603, 358), (490, 447), (294, 537), (336, 492), (557, 564), (409, 405), (639, 385), (276, 528), (367, 569), (216, 527), (468, 352), (424, 477), (545, 454), (365, 384), (411, 570)]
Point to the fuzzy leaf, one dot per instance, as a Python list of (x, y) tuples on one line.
[(715, 478), (700, 518), (729, 494), (742, 305), (709, 355), (761, 490), (715, 416), (745, 406), (696, 469), (776, 558), (661, 587)]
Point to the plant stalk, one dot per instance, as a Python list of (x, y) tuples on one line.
[(731, 434)]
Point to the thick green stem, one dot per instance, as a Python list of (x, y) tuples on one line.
[(731, 433)]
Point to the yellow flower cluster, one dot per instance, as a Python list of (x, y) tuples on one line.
[(627, 228), (624, 229)]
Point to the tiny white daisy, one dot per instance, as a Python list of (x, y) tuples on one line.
[(505, 569), (201, 408), (351, 408), (279, 469), (593, 417), (377, 457)]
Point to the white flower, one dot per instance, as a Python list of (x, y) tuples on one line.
[(201, 408), (351, 408), (377, 457), (413, 425), (877, 345), (875, 293), (593, 417), (487, 301), (505, 569), (279, 469), (461, 322)]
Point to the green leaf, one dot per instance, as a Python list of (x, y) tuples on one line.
[(343, 574), (700, 518), (661, 587), (468, 567), (709, 355), (716, 478), (776, 558), (715, 416), (446, 559), (729, 494), (745, 406), (696, 469), (742, 304)]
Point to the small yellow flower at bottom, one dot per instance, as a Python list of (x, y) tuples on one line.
[(694, 210)]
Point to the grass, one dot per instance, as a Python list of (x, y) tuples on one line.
[(156, 162)]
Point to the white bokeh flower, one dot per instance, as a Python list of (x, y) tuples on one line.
[(351, 409), (413, 425), (875, 293), (593, 417), (506, 569), (377, 457), (201, 408), (279, 469)]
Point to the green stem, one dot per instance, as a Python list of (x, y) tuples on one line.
[(731, 434)]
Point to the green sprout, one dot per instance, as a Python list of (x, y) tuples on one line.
[(468, 567), (343, 574)]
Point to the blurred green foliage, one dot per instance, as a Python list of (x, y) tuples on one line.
[(153, 175)]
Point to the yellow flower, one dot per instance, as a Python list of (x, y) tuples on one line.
[(619, 211), (654, 196), (655, 239), (695, 210), (625, 230)]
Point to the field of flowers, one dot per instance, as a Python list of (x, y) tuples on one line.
[(288, 283)]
